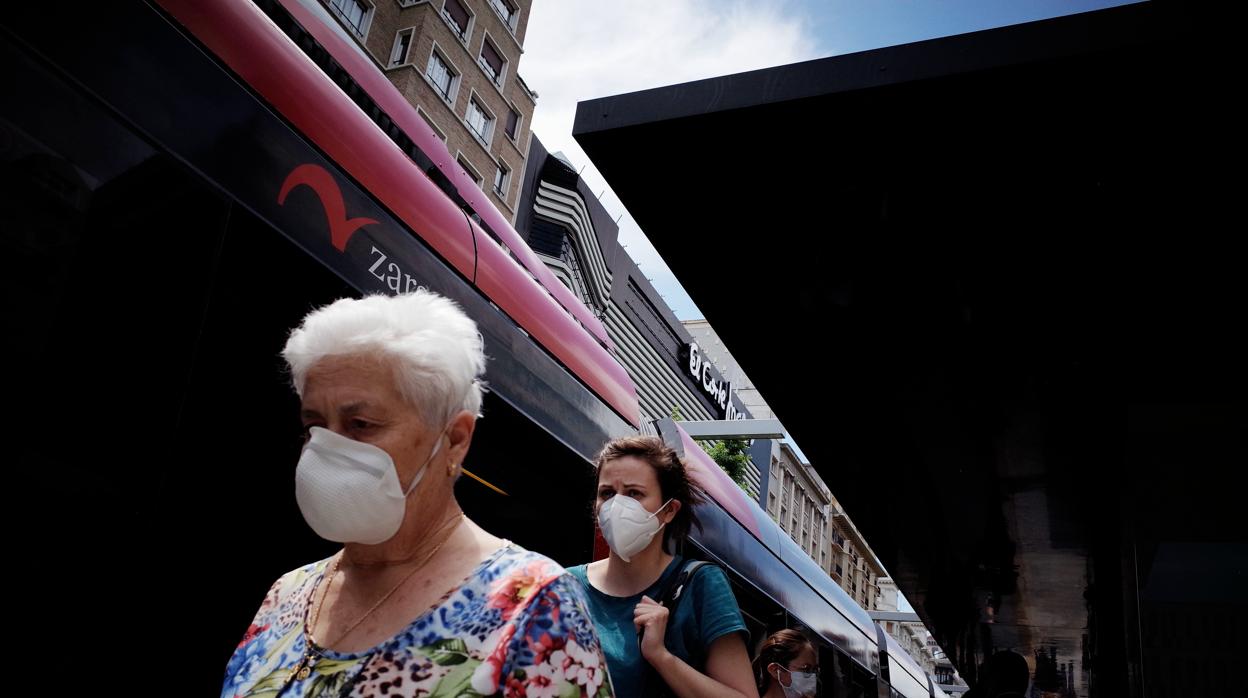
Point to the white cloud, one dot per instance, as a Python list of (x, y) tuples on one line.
[(582, 49)]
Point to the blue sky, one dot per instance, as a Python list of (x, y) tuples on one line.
[(582, 49), (845, 27)]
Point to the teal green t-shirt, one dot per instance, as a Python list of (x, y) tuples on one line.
[(707, 611)]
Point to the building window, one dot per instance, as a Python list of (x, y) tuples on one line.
[(402, 43), (471, 172), (442, 76), (354, 13), (507, 11), (513, 124), (492, 62), (479, 121), (502, 177), (548, 238), (458, 16)]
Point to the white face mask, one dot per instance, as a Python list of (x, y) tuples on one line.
[(349, 491), (627, 526), (801, 683)]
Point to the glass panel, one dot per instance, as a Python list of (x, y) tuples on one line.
[(493, 61), (459, 16), (440, 74), (500, 180), (353, 12), (400, 49), (513, 120), (506, 11), (478, 120)]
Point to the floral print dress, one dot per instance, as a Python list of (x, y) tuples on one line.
[(517, 627)]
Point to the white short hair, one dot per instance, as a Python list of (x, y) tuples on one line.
[(437, 352)]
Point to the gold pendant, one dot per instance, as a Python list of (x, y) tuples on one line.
[(304, 669)]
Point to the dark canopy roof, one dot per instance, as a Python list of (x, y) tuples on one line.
[(992, 285)]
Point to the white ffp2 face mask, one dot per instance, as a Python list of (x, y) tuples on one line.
[(802, 684), (627, 526), (349, 491)]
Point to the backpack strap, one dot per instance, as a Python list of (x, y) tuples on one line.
[(674, 591), (670, 595)]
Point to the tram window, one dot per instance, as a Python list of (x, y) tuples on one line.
[(567, 485), (843, 678), (108, 249), (755, 628), (862, 683), (825, 687), (831, 673), (761, 615)]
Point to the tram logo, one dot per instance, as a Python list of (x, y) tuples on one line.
[(322, 183)]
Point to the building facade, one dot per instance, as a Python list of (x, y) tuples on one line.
[(566, 225), (714, 348), (853, 565), (799, 501), (458, 62)]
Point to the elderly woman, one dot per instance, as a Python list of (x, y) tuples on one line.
[(419, 600), (696, 648)]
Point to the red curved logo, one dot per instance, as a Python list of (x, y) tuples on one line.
[(318, 180)]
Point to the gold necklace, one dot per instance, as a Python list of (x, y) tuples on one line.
[(303, 669)]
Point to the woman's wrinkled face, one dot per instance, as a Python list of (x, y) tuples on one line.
[(357, 397), (630, 476)]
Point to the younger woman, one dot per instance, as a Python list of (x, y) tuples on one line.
[(696, 650)]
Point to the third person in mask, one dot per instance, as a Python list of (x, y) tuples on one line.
[(787, 666), (696, 649)]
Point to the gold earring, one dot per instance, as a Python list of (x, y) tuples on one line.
[(450, 470)]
